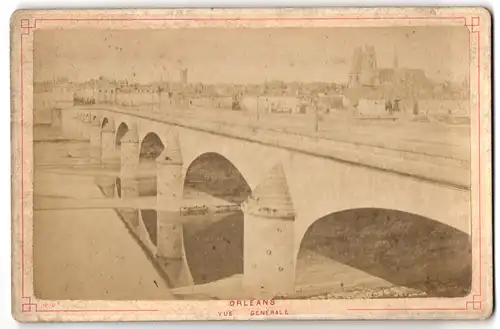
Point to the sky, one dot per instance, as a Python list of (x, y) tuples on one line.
[(245, 55)]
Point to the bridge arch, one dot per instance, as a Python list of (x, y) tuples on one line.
[(385, 248), (151, 147), (214, 246), (120, 132), (218, 176), (105, 122)]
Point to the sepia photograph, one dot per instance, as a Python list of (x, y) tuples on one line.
[(256, 164)]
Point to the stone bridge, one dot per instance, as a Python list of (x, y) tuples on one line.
[(288, 183)]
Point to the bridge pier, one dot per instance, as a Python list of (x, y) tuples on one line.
[(129, 185), (95, 140), (86, 122), (129, 164), (268, 247), (170, 243), (169, 193), (108, 142), (104, 139)]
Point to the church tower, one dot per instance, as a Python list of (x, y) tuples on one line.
[(369, 69), (356, 67)]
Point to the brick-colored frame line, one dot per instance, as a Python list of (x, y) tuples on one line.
[(476, 304)]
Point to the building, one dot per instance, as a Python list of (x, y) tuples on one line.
[(274, 104), (363, 66)]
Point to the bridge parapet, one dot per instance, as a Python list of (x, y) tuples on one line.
[(434, 168)]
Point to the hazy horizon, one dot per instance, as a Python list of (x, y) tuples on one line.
[(245, 55)]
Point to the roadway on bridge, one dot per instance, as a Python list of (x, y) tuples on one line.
[(86, 254), (432, 138), (433, 151)]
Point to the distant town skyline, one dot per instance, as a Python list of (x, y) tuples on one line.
[(245, 56)]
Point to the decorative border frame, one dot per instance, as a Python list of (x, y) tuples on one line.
[(29, 304)]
